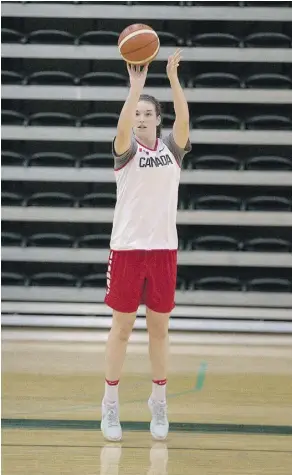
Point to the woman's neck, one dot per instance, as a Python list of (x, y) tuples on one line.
[(148, 142)]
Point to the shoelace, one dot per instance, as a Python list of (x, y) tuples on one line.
[(160, 414), (112, 416)]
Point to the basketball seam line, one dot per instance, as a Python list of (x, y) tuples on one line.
[(138, 49), (136, 33)]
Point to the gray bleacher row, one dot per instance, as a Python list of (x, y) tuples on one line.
[(106, 134), (104, 323), (106, 175), (258, 55), (83, 315), (206, 300), (185, 258), (133, 12), (184, 217), (103, 93)]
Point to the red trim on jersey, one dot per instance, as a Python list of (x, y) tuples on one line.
[(145, 146)]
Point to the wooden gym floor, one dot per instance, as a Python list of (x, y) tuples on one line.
[(230, 408)]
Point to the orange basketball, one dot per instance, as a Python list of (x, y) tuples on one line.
[(138, 44)]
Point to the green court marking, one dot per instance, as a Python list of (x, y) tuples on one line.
[(87, 425), (198, 385), (201, 376)]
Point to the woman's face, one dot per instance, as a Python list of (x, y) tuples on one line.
[(146, 120)]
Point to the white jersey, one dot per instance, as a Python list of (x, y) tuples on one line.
[(147, 194)]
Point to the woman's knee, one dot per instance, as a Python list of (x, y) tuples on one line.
[(157, 324), (123, 324)]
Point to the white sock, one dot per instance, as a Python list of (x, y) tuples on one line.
[(159, 390), (111, 391)]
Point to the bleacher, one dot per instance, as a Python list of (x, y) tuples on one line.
[(63, 85)]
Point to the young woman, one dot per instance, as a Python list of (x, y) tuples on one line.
[(143, 257)]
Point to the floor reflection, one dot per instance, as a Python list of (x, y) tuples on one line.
[(111, 454)]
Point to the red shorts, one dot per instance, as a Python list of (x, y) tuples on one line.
[(136, 277)]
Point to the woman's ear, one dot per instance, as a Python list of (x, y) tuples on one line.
[(158, 120)]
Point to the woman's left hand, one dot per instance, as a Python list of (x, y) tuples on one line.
[(172, 64)]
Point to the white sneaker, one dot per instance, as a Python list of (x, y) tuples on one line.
[(159, 424), (110, 423)]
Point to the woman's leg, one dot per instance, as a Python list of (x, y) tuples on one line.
[(117, 342), (157, 324), (114, 359)]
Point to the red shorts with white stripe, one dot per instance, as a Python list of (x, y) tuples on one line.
[(141, 277)]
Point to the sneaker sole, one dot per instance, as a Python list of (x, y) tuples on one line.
[(111, 439)]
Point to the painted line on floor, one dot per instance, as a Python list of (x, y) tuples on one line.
[(90, 425)]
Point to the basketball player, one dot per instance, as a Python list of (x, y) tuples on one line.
[(143, 258)]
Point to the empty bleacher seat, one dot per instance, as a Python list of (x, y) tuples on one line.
[(266, 244), (50, 240), (13, 278), (213, 243), (214, 40), (181, 244), (11, 77), (11, 239), (158, 80), (51, 78), (99, 119), (268, 81), (51, 159), (9, 198), (9, 35), (168, 38), (54, 279), (10, 158), (53, 119), (50, 199), (222, 283), (104, 79), (168, 120), (95, 200), (214, 162), (268, 203), (217, 122), (268, 162), (267, 40), (98, 37), (11, 117), (181, 283), (269, 122), (216, 202), (215, 4), (50, 37), (103, 160), (99, 241), (268, 284), (277, 4), (211, 80), (93, 280)]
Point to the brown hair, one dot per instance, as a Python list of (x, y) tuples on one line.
[(156, 103)]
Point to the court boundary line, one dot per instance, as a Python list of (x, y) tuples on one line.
[(141, 426)]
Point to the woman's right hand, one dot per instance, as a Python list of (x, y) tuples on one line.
[(137, 75)]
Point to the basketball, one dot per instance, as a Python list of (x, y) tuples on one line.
[(138, 44)]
